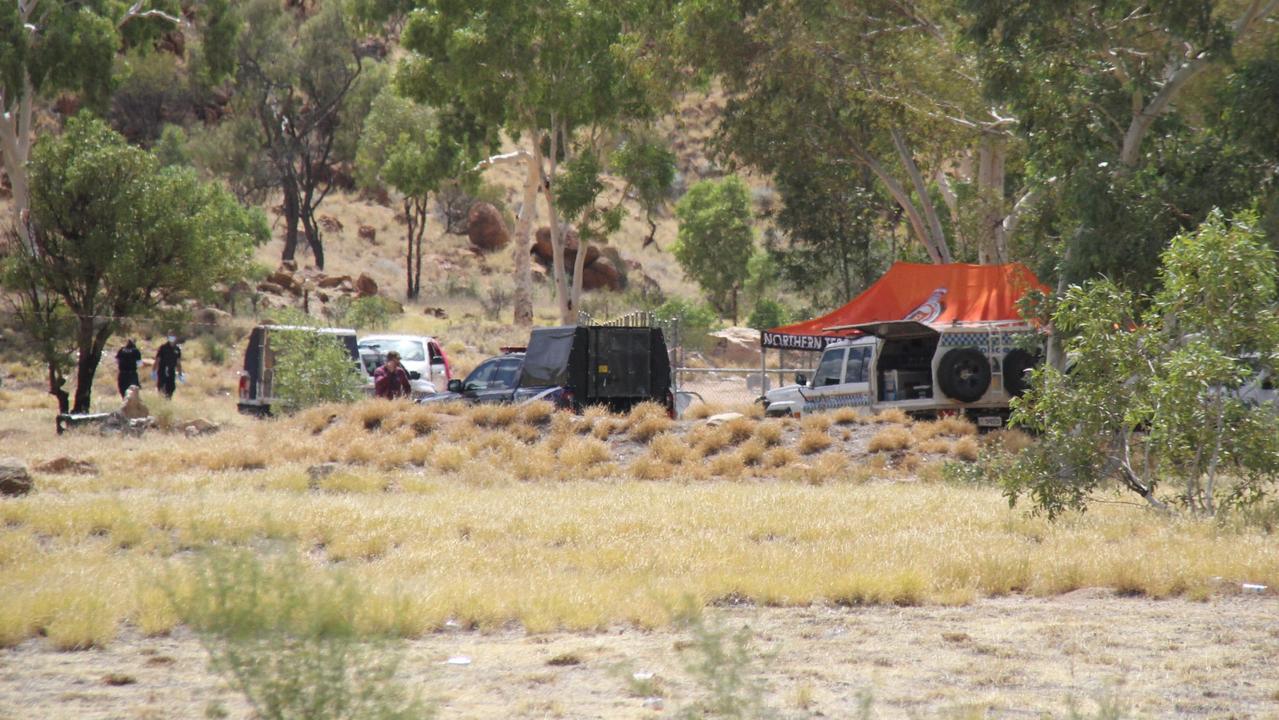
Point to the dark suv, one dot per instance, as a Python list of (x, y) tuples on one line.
[(574, 366)]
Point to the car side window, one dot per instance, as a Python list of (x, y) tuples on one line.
[(828, 371), (855, 366), (504, 376), (481, 376)]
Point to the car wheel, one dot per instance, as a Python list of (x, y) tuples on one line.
[(1016, 363), (964, 374)]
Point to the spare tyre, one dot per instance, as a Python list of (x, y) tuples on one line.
[(964, 374), (1016, 363)]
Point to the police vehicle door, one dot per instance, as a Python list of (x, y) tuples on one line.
[(842, 380)]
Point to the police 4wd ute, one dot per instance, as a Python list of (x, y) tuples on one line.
[(925, 370)]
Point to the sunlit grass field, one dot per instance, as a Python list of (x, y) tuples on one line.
[(491, 516)]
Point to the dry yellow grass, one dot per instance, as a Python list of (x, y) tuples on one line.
[(965, 448), (848, 416), (441, 518), (769, 432), (891, 415), (891, 439), (813, 440), (485, 550)]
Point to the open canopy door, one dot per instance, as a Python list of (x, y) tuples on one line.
[(891, 329)]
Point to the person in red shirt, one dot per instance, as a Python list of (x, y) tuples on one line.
[(391, 380)]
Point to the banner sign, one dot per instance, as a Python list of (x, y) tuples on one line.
[(812, 343)]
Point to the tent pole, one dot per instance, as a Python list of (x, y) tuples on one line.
[(763, 365)]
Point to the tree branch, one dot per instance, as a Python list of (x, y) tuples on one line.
[(135, 11), (509, 158), (938, 238)]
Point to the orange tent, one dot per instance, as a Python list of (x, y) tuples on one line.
[(934, 294)]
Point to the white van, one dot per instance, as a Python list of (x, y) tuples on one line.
[(257, 379), (922, 369)]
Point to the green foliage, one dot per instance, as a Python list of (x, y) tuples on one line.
[(171, 149), (117, 235), (367, 313), (1152, 398), (513, 64), (768, 314), (212, 348), (150, 92), (721, 663), (715, 241), (695, 320), (287, 639), (312, 368)]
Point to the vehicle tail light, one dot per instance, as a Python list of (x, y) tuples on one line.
[(569, 399), (244, 387), (670, 404)]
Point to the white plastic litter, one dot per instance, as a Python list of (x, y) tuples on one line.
[(1253, 587), (458, 660)]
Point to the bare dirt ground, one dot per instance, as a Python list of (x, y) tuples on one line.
[(1004, 657)]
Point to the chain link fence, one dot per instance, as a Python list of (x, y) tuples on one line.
[(703, 378)]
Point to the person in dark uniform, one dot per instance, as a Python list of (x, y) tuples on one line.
[(168, 366), (127, 360)]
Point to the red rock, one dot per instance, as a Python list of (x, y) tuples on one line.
[(366, 286), (486, 228)]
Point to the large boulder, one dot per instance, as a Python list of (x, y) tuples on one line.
[(15, 478), (366, 286), (211, 316), (601, 276), (486, 228), (332, 281), (736, 346), (285, 280)]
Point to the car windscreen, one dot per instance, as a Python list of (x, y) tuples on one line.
[(546, 360), (829, 369), (409, 350)]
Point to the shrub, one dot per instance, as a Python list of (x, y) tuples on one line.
[(813, 441), (289, 642), (312, 368), (214, 351), (366, 313), (768, 314), (721, 663), (1159, 379), (890, 439), (695, 321)]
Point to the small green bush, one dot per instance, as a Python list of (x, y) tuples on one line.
[(287, 640), (367, 313), (313, 368), (721, 663), (768, 314), (695, 321), (213, 350)]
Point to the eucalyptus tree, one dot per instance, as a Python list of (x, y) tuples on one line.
[(50, 46), (417, 151), (114, 235), (1115, 100), (544, 72), (886, 86), (294, 78)]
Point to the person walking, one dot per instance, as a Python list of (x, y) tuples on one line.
[(127, 360), (168, 366), (391, 380)]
